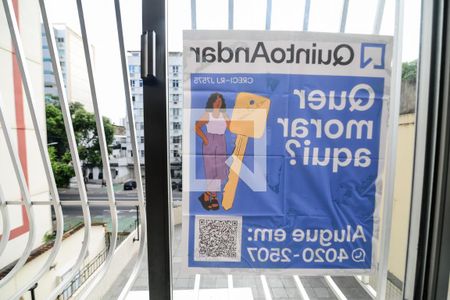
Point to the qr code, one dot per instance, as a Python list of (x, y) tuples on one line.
[(218, 238)]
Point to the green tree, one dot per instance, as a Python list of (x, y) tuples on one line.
[(62, 167), (409, 71), (85, 134)]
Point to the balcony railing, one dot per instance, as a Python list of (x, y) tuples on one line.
[(77, 275)]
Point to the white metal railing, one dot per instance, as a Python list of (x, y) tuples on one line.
[(54, 202), (49, 34), (42, 145), (136, 159)]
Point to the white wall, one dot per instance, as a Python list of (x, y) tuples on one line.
[(30, 28), (402, 196)]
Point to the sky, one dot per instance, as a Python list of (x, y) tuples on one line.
[(248, 14)]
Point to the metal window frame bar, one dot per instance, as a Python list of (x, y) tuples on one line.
[(301, 288), (379, 17), (428, 264), (306, 15), (21, 61), (26, 198), (154, 18), (334, 288), (230, 14), (427, 108), (48, 28), (136, 158), (193, 14), (268, 14), (344, 15), (104, 154), (5, 221), (389, 181)]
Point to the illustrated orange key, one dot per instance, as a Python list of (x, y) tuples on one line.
[(248, 120)]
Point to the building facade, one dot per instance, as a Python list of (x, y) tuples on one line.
[(175, 76), (73, 67)]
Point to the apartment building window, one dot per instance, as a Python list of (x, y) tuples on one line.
[(176, 125), (175, 69), (175, 97), (142, 153), (60, 40), (176, 139), (175, 83), (142, 139)]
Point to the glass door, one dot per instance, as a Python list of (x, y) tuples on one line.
[(168, 97)]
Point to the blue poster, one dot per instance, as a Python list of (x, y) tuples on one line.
[(283, 150)]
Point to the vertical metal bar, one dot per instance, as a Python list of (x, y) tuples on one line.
[(21, 60), (136, 158), (394, 109), (301, 288), (196, 287), (194, 14), (306, 15), (5, 222), (266, 288), (344, 14), (25, 197), (364, 283), (268, 14), (378, 17), (334, 288), (425, 136), (432, 275), (104, 154), (73, 150), (230, 14), (157, 173)]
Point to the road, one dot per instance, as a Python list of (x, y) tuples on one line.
[(75, 211)]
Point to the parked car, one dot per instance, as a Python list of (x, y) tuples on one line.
[(129, 185)]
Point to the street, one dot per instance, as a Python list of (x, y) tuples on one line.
[(73, 215)]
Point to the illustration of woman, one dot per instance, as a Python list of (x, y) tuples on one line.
[(216, 121)]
